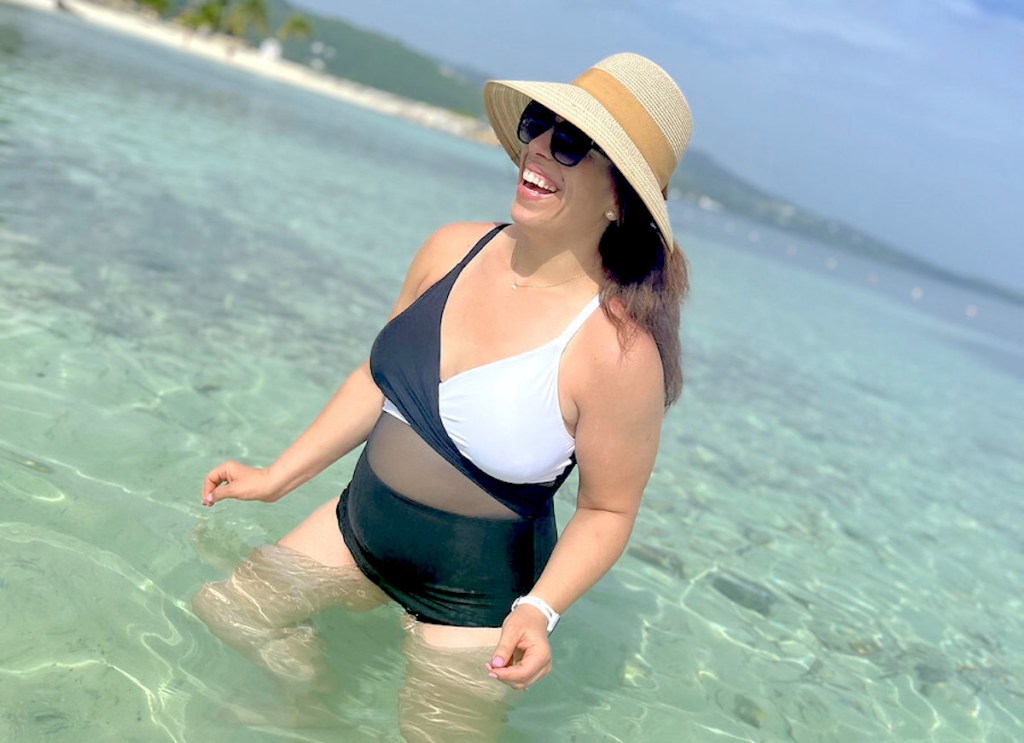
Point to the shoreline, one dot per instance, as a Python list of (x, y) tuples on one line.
[(233, 53)]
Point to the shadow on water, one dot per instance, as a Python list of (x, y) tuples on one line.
[(11, 39), (11, 44)]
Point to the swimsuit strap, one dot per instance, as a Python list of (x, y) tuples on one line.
[(480, 244), (404, 362), (577, 322)]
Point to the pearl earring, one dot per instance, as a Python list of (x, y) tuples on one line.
[(610, 214)]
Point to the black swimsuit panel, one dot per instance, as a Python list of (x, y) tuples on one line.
[(450, 543)]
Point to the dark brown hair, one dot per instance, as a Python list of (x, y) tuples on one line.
[(645, 283)]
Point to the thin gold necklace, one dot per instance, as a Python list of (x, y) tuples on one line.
[(515, 277)]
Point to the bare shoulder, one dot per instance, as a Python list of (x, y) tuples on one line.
[(439, 253), (615, 369), (445, 247)]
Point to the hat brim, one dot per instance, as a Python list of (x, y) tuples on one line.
[(505, 100)]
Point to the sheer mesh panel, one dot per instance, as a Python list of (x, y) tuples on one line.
[(406, 464)]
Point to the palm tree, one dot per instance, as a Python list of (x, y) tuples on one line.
[(295, 25), (207, 14), (245, 13)]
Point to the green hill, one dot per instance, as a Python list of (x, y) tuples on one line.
[(383, 63), (701, 176)]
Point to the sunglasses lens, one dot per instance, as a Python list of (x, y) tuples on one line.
[(569, 144), (536, 120)]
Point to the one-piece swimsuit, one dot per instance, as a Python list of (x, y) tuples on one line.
[(445, 511)]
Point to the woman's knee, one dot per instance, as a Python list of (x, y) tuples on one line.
[(203, 601), (213, 605), (263, 591)]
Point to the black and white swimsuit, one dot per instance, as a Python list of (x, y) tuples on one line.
[(449, 509)]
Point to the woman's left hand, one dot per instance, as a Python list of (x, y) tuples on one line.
[(523, 655)]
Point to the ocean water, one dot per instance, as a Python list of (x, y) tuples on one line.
[(831, 547)]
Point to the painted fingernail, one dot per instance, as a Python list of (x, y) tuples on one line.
[(497, 662), (493, 675)]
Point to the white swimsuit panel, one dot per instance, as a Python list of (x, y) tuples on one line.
[(505, 416)]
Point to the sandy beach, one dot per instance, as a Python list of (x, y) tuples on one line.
[(229, 51)]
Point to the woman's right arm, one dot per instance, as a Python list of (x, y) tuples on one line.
[(349, 416), (341, 426)]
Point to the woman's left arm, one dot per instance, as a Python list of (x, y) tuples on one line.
[(620, 401)]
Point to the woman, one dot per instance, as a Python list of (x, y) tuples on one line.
[(494, 377)]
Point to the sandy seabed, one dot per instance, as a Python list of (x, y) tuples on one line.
[(229, 51)]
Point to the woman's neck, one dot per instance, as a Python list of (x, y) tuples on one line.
[(540, 259)]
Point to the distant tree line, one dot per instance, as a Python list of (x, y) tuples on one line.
[(230, 17)]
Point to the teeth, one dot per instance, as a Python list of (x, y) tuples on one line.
[(530, 177)]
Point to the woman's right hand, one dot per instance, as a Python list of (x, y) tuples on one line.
[(234, 480)]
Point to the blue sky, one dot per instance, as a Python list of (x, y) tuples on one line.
[(904, 118)]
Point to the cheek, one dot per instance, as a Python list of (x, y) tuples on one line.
[(599, 174), (599, 189)]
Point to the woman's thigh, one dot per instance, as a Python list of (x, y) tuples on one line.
[(447, 695), (279, 584), (331, 572), (441, 636), (319, 537)]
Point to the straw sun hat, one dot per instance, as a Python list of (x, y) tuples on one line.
[(627, 104)]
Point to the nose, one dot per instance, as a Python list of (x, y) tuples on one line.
[(541, 145)]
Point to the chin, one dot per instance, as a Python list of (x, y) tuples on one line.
[(530, 217), (519, 214)]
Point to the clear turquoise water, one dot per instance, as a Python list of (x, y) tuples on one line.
[(831, 546)]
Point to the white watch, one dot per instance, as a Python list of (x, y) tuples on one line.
[(545, 608)]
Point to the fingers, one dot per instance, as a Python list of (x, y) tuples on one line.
[(217, 485), (522, 656), (234, 480), (505, 651), (534, 665)]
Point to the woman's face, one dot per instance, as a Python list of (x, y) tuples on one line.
[(554, 197)]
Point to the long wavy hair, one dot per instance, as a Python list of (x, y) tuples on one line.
[(645, 282)]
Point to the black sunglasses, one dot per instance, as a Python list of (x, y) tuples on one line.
[(569, 143)]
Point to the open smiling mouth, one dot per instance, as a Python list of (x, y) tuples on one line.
[(537, 183)]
